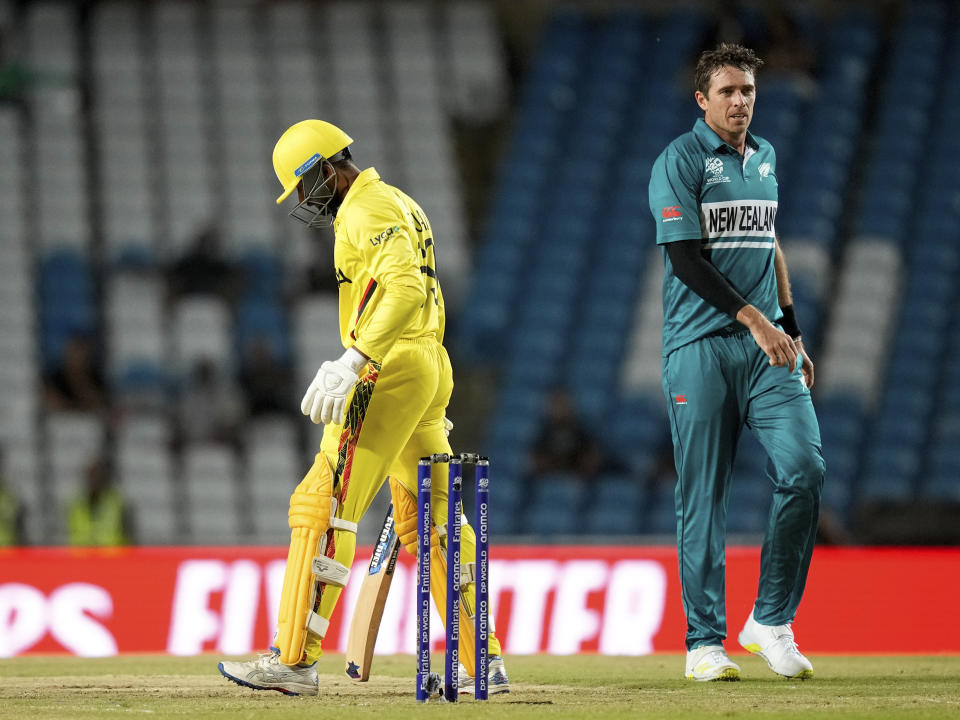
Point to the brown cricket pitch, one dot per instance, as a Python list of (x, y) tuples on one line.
[(584, 686)]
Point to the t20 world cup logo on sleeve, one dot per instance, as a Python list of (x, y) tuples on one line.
[(714, 171)]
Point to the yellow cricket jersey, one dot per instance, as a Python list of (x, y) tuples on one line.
[(386, 268)]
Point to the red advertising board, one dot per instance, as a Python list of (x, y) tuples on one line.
[(550, 599)]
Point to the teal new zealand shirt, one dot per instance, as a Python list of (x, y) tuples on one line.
[(702, 188)]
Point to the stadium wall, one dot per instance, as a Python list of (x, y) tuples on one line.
[(549, 599)]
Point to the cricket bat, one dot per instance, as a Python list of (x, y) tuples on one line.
[(371, 601)]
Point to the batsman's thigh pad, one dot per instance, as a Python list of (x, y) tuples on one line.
[(404, 515), (311, 515)]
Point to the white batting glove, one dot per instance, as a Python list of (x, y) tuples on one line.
[(326, 397), (447, 425)]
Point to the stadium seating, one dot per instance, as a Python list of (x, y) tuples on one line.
[(617, 504), (216, 502), (273, 467), (146, 478), (555, 507), (152, 121), (135, 319), (75, 440), (129, 216), (661, 517), (60, 167), (19, 376)]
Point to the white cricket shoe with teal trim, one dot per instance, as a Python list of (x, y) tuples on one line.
[(710, 662), (268, 673), (775, 644)]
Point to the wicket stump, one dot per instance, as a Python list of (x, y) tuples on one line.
[(451, 687)]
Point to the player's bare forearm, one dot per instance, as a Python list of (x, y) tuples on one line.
[(784, 294)]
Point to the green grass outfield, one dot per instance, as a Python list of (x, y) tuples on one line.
[(543, 687)]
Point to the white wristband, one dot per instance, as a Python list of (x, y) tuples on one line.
[(354, 359)]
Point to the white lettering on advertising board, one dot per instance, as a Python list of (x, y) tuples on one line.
[(554, 606), (70, 614)]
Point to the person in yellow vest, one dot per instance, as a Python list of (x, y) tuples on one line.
[(98, 517), (382, 403)]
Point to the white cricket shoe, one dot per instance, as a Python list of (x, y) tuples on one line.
[(775, 644), (710, 662), (497, 682), (268, 673)]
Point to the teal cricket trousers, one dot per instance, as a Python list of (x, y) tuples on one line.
[(715, 387)]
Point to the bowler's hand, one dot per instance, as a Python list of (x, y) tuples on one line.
[(775, 343), (326, 397)]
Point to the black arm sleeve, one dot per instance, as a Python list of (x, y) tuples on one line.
[(698, 274), (789, 321)]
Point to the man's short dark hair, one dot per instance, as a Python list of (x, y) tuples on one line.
[(725, 54), (342, 159)]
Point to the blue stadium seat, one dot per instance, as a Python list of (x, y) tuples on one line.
[(556, 505), (142, 384), (885, 487), (506, 497), (838, 493), (843, 464), (263, 321), (65, 274), (900, 431), (945, 458), (616, 505), (67, 302), (748, 505), (506, 458), (661, 517), (890, 473), (263, 276), (842, 429), (942, 487), (637, 425)]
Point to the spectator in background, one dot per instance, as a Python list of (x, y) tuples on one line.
[(831, 529), (11, 513), (97, 517), (203, 271), (783, 45), (266, 382), (210, 407), (77, 383), (774, 32), (564, 444)]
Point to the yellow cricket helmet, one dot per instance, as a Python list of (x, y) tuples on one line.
[(301, 147)]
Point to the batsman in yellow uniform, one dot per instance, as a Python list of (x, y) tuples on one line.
[(382, 403)]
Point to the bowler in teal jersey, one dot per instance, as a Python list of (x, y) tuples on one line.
[(733, 358)]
